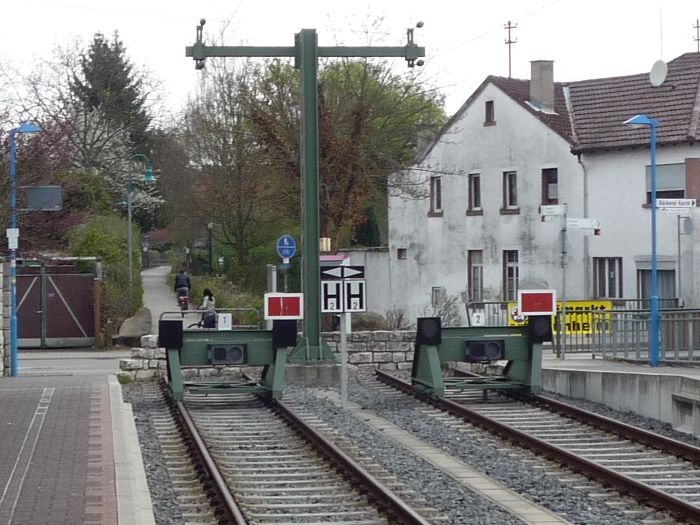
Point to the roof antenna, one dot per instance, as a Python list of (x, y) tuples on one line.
[(697, 33), (509, 43), (661, 36)]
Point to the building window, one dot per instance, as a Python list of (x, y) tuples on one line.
[(550, 186), (510, 275), (670, 182), (489, 116), (437, 296), (401, 253), (474, 192), (666, 283), (510, 192), (607, 277), (475, 261), (435, 196)]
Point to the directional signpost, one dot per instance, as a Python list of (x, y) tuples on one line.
[(675, 203), (548, 213), (583, 224)]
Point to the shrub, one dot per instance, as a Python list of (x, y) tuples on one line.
[(106, 237)]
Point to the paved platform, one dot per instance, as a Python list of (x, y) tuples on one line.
[(70, 450), (667, 393)]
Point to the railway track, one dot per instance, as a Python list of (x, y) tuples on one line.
[(653, 469), (269, 466), (193, 494)]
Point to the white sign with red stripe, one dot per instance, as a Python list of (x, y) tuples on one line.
[(537, 302), (284, 306)]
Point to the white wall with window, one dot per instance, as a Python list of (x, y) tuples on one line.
[(621, 180)]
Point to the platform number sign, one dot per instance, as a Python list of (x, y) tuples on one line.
[(354, 292), (332, 300), (341, 294)]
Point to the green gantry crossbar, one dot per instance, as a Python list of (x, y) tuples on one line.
[(523, 371), (254, 347)]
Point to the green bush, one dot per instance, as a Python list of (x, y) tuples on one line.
[(106, 237)]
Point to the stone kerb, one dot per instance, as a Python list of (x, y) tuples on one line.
[(386, 350)]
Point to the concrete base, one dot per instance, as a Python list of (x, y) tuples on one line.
[(312, 374), (673, 399)]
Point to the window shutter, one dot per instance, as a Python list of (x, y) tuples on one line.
[(692, 178)]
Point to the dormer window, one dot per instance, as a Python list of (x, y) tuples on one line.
[(489, 115)]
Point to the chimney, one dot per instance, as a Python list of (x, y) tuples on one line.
[(542, 84)]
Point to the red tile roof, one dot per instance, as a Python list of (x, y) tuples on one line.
[(519, 90), (600, 106), (593, 117)]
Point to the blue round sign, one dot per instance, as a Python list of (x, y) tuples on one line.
[(286, 246)]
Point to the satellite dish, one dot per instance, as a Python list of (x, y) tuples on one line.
[(658, 72)]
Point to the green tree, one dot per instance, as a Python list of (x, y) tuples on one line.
[(369, 121), (106, 237), (107, 81), (367, 232), (235, 188)]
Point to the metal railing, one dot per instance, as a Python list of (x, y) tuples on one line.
[(627, 335), (497, 313), (241, 318), (619, 333)]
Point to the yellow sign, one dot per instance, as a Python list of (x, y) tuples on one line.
[(581, 316)]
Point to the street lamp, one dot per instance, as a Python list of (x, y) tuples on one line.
[(210, 225), (147, 177), (13, 239), (636, 121)]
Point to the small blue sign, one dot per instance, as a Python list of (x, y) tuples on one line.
[(286, 246)]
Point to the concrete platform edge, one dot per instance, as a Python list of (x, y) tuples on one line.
[(667, 394), (133, 496)]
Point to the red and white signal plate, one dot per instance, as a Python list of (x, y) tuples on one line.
[(537, 302), (284, 306)]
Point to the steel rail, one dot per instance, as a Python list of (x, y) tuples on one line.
[(623, 483), (384, 498), (639, 435), (229, 506)]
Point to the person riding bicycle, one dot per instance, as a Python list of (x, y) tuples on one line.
[(182, 283)]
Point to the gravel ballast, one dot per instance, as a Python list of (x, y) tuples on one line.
[(457, 503)]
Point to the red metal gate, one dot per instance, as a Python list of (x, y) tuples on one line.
[(55, 307)]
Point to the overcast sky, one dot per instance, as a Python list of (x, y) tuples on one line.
[(464, 40)]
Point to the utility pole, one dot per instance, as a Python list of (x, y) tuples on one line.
[(306, 53), (509, 43), (697, 33), (562, 324)]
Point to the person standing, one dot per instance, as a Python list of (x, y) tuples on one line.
[(209, 310)]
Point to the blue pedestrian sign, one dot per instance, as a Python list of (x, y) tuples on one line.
[(286, 247)]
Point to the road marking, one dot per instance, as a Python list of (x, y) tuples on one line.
[(14, 484)]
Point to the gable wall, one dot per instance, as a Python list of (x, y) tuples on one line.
[(437, 247)]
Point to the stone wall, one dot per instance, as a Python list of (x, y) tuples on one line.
[(380, 349)]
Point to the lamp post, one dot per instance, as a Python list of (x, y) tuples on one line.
[(13, 239), (636, 121), (147, 177), (210, 225)]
